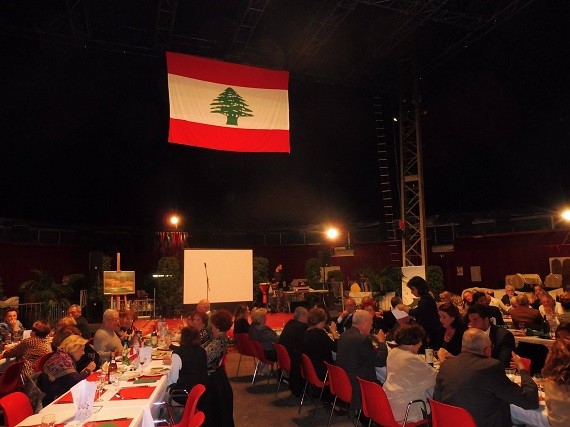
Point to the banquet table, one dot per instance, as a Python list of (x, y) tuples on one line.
[(132, 402), (521, 337)]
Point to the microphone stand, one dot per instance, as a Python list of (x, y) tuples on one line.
[(207, 283)]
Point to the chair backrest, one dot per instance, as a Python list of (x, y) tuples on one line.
[(309, 374), (283, 357), (339, 383), (16, 407), (11, 381), (42, 361), (375, 404), (245, 345), (191, 404), (259, 353), (197, 419), (443, 415), (527, 363)]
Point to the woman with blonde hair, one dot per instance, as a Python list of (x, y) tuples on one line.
[(556, 383), (59, 373)]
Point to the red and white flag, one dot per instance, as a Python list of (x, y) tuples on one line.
[(224, 106)]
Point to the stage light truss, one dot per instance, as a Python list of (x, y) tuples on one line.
[(244, 31)]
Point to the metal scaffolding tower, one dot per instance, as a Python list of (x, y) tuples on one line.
[(412, 185)]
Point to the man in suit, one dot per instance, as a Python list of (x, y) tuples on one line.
[(344, 320), (476, 382), (357, 355), (292, 339), (494, 312), (502, 339), (524, 316)]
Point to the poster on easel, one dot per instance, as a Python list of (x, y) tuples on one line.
[(118, 282)]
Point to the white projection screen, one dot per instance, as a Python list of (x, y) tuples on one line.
[(230, 273)]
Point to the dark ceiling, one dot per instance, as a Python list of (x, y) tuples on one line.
[(348, 41)]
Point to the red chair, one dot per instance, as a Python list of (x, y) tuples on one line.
[(245, 348), (12, 380), (41, 362), (284, 362), (197, 419), (261, 359), (189, 409), (340, 386), (527, 363), (310, 376), (375, 405), (16, 408), (443, 415)]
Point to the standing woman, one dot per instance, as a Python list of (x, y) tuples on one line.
[(426, 312), (451, 332), (219, 398), (241, 324), (189, 363), (556, 383)]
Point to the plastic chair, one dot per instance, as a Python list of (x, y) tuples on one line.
[(245, 348), (527, 363), (443, 415), (16, 408), (340, 386), (375, 405), (310, 375), (261, 359), (189, 409), (12, 380), (41, 362), (197, 419), (284, 362)]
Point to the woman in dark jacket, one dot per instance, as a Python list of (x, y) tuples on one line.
[(316, 342), (426, 312)]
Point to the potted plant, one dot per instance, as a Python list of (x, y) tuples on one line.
[(43, 288), (260, 274), (169, 286), (313, 272)]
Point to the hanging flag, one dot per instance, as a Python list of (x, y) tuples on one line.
[(224, 106)]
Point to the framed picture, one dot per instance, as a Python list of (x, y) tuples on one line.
[(118, 283)]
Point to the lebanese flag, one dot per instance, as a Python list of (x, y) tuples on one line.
[(224, 106)]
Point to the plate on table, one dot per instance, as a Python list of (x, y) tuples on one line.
[(129, 375)]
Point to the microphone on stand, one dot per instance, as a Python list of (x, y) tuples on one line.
[(207, 282)]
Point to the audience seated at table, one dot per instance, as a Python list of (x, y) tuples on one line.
[(259, 331), (316, 342), (565, 304), (556, 383), (357, 355), (74, 311), (199, 320), (548, 306), (344, 320), (503, 340), (523, 316), (467, 297), (127, 319), (30, 350), (189, 363), (476, 382), (458, 302), (89, 353), (59, 373), (370, 306), (241, 322), (426, 312), (409, 377), (292, 339), (12, 326), (106, 338), (509, 293), (219, 395), (494, 312), (448, 340)]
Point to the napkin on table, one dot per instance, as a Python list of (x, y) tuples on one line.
[(83, 394)]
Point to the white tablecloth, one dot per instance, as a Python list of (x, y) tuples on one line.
[(530, 417)]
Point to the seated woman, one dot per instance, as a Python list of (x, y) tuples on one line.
[(31, 350), (316, 342), (189, 363), (448, 342), (89, 355), (241, 324), (259, 331), (199, 320), (409, 377), (219, 398), (59, 373), (377, 322), (127, 319), (556, 383)]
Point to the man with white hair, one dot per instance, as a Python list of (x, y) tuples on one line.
[(478, 383), (106, 339), (357, 355)]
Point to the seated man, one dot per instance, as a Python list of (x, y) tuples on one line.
[(106, 338), (476, 382), (494, 312), (74, 311), (344, 320), (12, 326), (259, 331), (292, 339), (503, 340), (357, 355), (524, 316), (31, 349)]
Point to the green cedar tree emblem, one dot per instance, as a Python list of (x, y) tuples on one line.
[(230, 104)]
